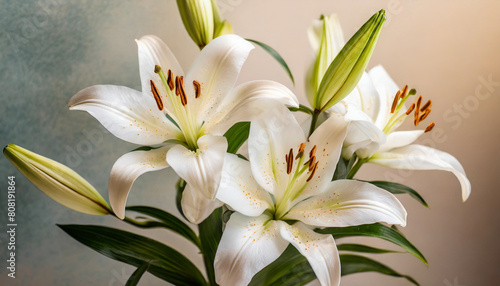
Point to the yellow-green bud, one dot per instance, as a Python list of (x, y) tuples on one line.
[(57, 181), (344, 73)]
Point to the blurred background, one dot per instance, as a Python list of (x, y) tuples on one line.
[(449, 50)]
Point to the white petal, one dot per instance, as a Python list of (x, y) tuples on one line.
[(365, 97), (216, 68), (400, 139), (418, 157), (239, 189), (126, 113), (271, 138), (387, 89), (127, 169), (153, 51), (246, 102), (319, 249), (196, 207), (347, 203), (328, 138), (201, 169), (315, 33), (248, 245)]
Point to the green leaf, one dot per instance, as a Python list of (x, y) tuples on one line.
[(341, 170), (351, 264), (180, 186), (210, 234), (236, 136), (375, 230), (302, 108), (396, 188), (291, 268), (166, 220), (276, 56), (136, 276), (363, 248), (165, 262)]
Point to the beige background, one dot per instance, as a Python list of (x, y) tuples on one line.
[(445, 49)]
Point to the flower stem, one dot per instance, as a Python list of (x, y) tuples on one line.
[(314, 121), (355, 168)]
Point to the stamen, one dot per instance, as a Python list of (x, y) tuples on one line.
[(417, 109), (423, 116), (197, 89), (428, 104), (395, 101), (182, 94), (170, 81), (312, 161), (404, 91), (312, 172), (429, 127), (410, 109), (177, 92), (313, 151), (301, 150), (156, 95), (289, 161)]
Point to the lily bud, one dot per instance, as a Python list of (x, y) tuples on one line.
[(202, 20), (57, 181), (346, 70)]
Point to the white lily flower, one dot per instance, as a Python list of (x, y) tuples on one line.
[(376, 108), (187, 114), (288, 178)]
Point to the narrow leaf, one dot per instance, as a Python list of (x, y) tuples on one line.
[(165, 262), (276, 56), (351, 264), (396, 188), (166, 220), (363, 248), (136, 276), (375, 230), (236, 136), (210, 234), (180, 186)]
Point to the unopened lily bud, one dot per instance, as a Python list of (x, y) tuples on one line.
[(202, 20), (57, 181), (346, 70)]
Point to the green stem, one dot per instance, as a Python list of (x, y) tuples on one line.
[(314, 121), (355, 168)]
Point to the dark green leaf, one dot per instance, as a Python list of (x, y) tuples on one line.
[(166, 220), (396, 188), (351, 264), (165, 262), (276, 56), (363, 248), (136, 276), (236, 136), (172, 120), (340, 170), (302, 108), (291, 268), (210, 234), (375, 230), (180, 186), (145, 148)]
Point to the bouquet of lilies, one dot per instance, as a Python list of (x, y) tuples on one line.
[(269, 195)]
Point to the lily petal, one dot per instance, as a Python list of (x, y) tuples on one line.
[(271, 138), (239, 189), (319, 249), (418, 157), (386, 90), (127, 169), (246, 102), (347, 203), (195, 207), (400, 139), (248, 245), (201, 169), (153, 51), (126, 113), (216, 69)]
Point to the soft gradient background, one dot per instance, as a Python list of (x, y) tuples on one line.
[(50, 49)]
